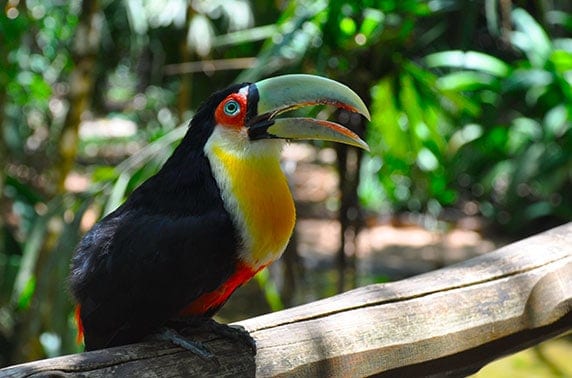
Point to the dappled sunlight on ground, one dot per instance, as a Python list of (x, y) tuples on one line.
[(383, 248), (402, 252), (396, 252)]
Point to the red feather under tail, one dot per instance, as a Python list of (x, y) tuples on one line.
[(77, 316)]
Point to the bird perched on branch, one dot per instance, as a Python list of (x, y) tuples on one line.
[(216, 213)]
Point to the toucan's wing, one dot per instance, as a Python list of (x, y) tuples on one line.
[(135, 270)]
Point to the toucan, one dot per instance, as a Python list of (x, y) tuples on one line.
[(217, 212)]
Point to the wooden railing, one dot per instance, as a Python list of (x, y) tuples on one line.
[(449, 322)]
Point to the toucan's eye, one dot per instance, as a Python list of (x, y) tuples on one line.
[(231, 108)]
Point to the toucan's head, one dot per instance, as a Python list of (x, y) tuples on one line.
[(239, 132), (247, 114)]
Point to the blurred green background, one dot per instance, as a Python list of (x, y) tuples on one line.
[(471, 107)]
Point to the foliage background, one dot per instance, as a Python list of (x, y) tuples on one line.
[(471, 104)]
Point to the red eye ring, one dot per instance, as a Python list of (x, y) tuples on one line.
[(231, 112)]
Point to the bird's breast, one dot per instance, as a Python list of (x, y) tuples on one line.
[(213, 300), (256, 194)]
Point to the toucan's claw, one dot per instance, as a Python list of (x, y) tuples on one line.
[(232, 332), (196, 347)]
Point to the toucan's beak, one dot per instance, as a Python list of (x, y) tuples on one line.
[(283, 93)]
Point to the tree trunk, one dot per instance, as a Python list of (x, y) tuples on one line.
[(350, 213), (84, 54)]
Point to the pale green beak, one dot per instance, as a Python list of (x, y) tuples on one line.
[(283, 93)]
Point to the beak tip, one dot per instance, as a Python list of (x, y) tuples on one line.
[(364, 146), (362, 109), (365, 113)]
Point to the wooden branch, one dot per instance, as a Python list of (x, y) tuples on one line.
[(451, 321)]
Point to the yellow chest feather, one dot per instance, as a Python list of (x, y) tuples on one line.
[(256, 194)]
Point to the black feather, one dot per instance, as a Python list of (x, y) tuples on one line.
[(170, 242)]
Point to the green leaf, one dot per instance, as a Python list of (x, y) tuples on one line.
[(530, 38), (245, 36), (270, 290), (372, 23), (522, 132), (117, 193), (104, 173), (32, 248), (557, 121), (558, 17), (464, 81), (26, 294), (426, 160), (137, 18), (25, 191), (348, 26), (526, 167), (562, 60), (200, 34), (525, 79), (471, 60), (538, 210), (465, 135)]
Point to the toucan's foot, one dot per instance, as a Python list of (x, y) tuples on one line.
[(171, 335), (234, 332)]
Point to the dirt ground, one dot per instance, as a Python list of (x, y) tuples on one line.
[(397, 249)]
